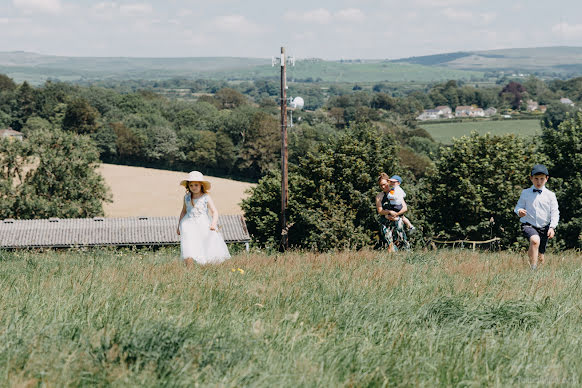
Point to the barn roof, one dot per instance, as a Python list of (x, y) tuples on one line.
[(100, 231)]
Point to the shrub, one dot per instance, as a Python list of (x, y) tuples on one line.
[(331, 193), (475, 187)]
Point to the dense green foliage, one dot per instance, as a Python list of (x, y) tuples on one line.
[(563, 146), (50, 174), (331, 193), (475, 187), (139, 318)]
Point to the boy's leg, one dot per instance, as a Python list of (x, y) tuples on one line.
[(406, 222), (534, 243), (543, 242), (533, 251)]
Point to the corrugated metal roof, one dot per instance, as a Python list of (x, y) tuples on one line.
[(100, 231)]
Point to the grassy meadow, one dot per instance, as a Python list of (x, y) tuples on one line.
[(139, 317), (445, 132)]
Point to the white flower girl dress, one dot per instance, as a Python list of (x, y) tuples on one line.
[(197, 241)]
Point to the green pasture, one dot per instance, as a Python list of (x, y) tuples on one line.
[(140, 318), (445, 132)]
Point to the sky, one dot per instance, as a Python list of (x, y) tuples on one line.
[(327, 29)]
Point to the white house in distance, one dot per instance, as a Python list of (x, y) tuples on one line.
[(11, 134), (444, 111), (490, 112), (440, 112), (566, 101), (468, 111)]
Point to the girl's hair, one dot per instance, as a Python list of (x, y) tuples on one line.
[(383, 176), (202, 189)]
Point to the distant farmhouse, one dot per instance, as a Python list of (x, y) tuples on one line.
[(566, 101), (11, 134), (490, 112), (533, 106), (440, 112), (468, 111), (445, 112)]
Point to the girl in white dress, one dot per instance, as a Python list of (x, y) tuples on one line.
[(198, 224)]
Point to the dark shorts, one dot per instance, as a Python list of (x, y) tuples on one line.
[(530, 230), (388, 206)]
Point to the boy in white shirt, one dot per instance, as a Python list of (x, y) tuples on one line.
[(537, 208)]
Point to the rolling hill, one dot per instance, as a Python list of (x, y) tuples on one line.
[(465, 65), (545, 60)]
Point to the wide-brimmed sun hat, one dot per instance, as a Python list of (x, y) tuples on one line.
[(196, 176)]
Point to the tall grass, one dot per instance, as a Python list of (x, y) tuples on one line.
[(122, 317)]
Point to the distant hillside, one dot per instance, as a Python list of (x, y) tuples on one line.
[(36, 69), (469, 65), (541, 60)]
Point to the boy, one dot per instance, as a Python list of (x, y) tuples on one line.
[(537, 208), (393, 200)]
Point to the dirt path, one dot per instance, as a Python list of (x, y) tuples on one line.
[(139, 191)]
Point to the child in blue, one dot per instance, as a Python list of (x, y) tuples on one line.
[(537, 208)]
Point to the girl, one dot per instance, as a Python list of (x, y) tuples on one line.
[(199, 239)]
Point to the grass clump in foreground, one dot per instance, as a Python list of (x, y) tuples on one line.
[(119, 317)]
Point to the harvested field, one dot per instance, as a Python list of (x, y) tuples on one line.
[(139, 191)]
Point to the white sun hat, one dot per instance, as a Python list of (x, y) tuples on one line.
[(196, 176)]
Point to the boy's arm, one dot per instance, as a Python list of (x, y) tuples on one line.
[(554, 212), (520, 207)]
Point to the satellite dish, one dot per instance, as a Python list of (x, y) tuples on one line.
[(297, 103)]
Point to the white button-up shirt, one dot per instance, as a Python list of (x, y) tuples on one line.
[(541, 208)]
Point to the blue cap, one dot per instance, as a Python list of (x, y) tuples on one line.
[(396, 178), (539, 169)]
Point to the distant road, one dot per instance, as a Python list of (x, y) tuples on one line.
[(139, 191)]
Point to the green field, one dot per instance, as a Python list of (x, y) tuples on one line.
[(139, 318), (445, 132)]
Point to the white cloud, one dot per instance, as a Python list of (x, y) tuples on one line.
[(136, 8), (318, 16), (488, 17), (457, 14), (568, 31), (184, 12), (42, 6), (350, 15), (13, 21), (445, 3), (107, 5), (236, 23), (324, 16)]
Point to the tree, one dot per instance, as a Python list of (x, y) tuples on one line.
[(80, 117), (130, 143), (473, 191), (512, 92), (200, 149), (26, 105), (563, 147), (6, 83), (261, 147), (331, 193), (62, 183), (556, 113), (229, 98)]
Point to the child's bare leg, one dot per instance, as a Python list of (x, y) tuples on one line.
[(533, 251), (407, 222), (541, 258)]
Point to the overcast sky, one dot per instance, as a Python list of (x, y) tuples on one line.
[(329, 29)]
